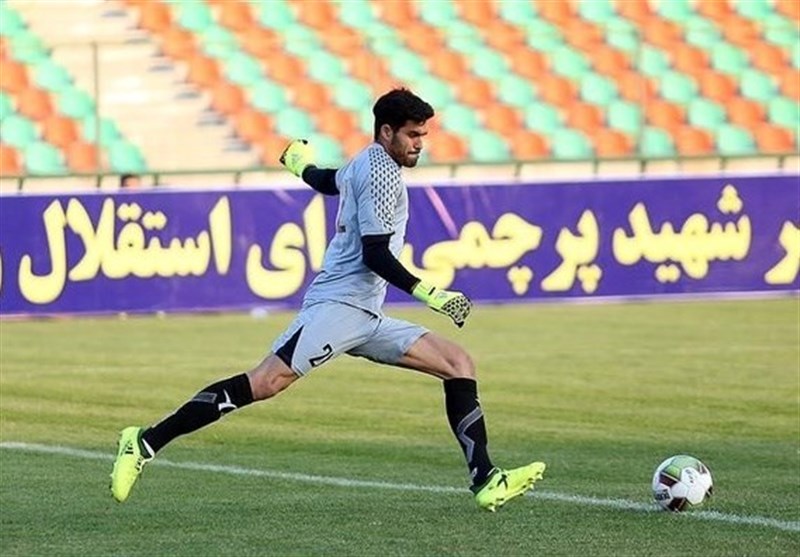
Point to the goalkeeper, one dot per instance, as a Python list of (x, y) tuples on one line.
[(342, 310)]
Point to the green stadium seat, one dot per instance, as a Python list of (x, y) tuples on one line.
[(326, 67), (75, 103), (728, 58), (267, 96), (301, 41), (514, 90), (459, 119), (358, 14), (652, 62), (6, 106), (109, 132), (597, 11), (542, 117), (327, 151), (438, 13), (676, 10), (488, 64), (734, 140), (543, 36), (274, 15), (569, 144), (11, 23), (486, 146), (779, 31), (678, 87), (701, 33), (125, 157), (195, 16), (704, 113), (242, 69), (518, 12), (623, 35), (28, 48), (217, 42), (435, 91), (41, 158), (625, 116), (757, 85), (784, 112), (569, 62), (18, 131), (598, 89), (51, 76), (293, 122), (407, 66), (757, 11), (655, 142)]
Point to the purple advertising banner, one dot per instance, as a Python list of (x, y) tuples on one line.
[(168, 250)]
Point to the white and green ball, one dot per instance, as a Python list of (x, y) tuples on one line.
[(681, 482)]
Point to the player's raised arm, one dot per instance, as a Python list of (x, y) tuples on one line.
[(298, 158)]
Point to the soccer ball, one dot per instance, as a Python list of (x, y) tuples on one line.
[(681, 482)]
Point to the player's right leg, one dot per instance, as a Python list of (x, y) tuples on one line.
[(318, 334)]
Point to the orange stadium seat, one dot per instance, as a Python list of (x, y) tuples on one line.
[(82, 157), (311, 96), (637, 11), (154, 16), (477, 12), (559, 12), (664, 114), (260, 42), (528, 63), (447, 147), (635, 87), (34, 103), (9, 161), (768, 57), (789, 8), (611, 143), (60, 131), (746, 113), (583, 34), (178, 44), (271, 148), (608, 60), (690, 60), (527, 145), (504, 37), (474, 91), (397, 12), (694, 141), (741, 32), (14, 77), (790, 84), (251, 125), (774, 139), (236, 15), (354, 141), (585, 117), (227, 98), (718, 86), (318, 15), (716, 10), (335, 121), (203, 71), (502, 118), (284, 68), (557, 90), (662, 32)]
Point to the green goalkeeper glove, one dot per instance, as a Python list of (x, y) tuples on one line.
[(297, 156), (452, 304)]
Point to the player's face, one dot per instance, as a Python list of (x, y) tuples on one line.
[(405, 145)]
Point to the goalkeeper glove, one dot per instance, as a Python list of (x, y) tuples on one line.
[(297, 156), (452, 304)]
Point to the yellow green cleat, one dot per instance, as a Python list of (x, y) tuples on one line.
[(504, 485), (129, 463)]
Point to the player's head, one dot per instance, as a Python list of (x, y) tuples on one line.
[(400, 118)]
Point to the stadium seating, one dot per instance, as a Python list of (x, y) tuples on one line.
[(523, 80)]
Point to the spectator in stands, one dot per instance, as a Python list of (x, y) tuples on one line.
[(130, 181)]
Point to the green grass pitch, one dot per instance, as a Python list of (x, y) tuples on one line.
[(358, 459)]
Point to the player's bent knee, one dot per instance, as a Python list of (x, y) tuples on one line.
[(460, 364), (270, 378)]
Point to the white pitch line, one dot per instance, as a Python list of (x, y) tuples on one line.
[(619, 504)]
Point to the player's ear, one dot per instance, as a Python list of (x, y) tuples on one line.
[(386, 132)]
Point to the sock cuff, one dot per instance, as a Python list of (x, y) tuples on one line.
[(242, 391), (461, 384)]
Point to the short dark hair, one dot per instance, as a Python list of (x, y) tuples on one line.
[(397, 107)]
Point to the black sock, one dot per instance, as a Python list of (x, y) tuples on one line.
[(206, 407), (466, 420)]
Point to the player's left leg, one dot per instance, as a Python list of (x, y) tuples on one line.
[(406, 345)]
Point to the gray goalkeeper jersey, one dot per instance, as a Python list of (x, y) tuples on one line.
[(372, 200)]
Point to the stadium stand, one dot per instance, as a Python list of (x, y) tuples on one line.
[(225, 83)]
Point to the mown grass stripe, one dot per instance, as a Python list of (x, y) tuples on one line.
[(620, 504)]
